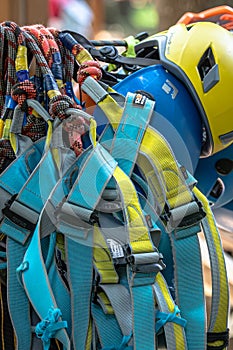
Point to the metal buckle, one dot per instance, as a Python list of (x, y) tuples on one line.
[(183, 216), (15, 217), (145, 262)]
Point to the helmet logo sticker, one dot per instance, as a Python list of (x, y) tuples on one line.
[(170, 89)]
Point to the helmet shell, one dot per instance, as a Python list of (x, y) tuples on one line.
[(176, 116), (217, 186), (200, 55)]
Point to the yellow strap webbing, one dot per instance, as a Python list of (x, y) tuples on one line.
[(219, 319), (178, 330)]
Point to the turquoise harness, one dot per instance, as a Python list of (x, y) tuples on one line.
[(117, 230)]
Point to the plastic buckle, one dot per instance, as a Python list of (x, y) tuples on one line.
[(184, 216), (16, 218), (213, 337), (146, 262)]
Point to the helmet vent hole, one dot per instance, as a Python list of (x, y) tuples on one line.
[(224, 166), (207, 61), (149, 52), (217, 189)]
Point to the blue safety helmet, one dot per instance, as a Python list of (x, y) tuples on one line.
[(176, 116), (218, 185)]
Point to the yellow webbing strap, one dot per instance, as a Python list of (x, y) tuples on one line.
[(112, 110), (1, 127), (103, 260), (220, 293), (139, 237), (161, 287), (83, 56), (171, 185), (166, 182)]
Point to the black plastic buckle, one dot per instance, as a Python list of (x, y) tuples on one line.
[(218, 336), (16, 218)]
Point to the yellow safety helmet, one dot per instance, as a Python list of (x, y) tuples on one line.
[(201, 56)]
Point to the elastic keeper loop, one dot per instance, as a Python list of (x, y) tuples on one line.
[(213, 337), (50, 85)]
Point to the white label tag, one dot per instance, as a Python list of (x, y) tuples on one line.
[(115, 249)]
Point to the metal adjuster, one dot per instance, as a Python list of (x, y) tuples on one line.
[(145, 262), (12, 211), (183, 216)]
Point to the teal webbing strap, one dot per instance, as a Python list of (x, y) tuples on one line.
[(165, 306), (79, 264), (137, 112), (120, 300), (16, 174), (61, 294), (126, 142), (11, 181), (95, 173), (143, 305), (88, 189), (107, 327), (189, 279), (23, 213), (33, 272), (17, 299)]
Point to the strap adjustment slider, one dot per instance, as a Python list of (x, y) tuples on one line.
[(146, 262), (183, 216), (15, 217)]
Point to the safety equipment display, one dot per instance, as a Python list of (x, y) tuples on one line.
[(100, 211)]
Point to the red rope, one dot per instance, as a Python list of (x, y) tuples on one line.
[(89, 68)]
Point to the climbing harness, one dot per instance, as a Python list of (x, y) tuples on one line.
[(99, 217)]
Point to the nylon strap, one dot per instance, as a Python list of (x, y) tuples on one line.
[(129, 134), (220, 289), (95, 174), (181, 203), (17, 299), (19, 169), (25, 208), (32, 263), (169, 188), (174, 331)]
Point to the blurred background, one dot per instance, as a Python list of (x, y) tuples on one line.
[(95, 18)]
